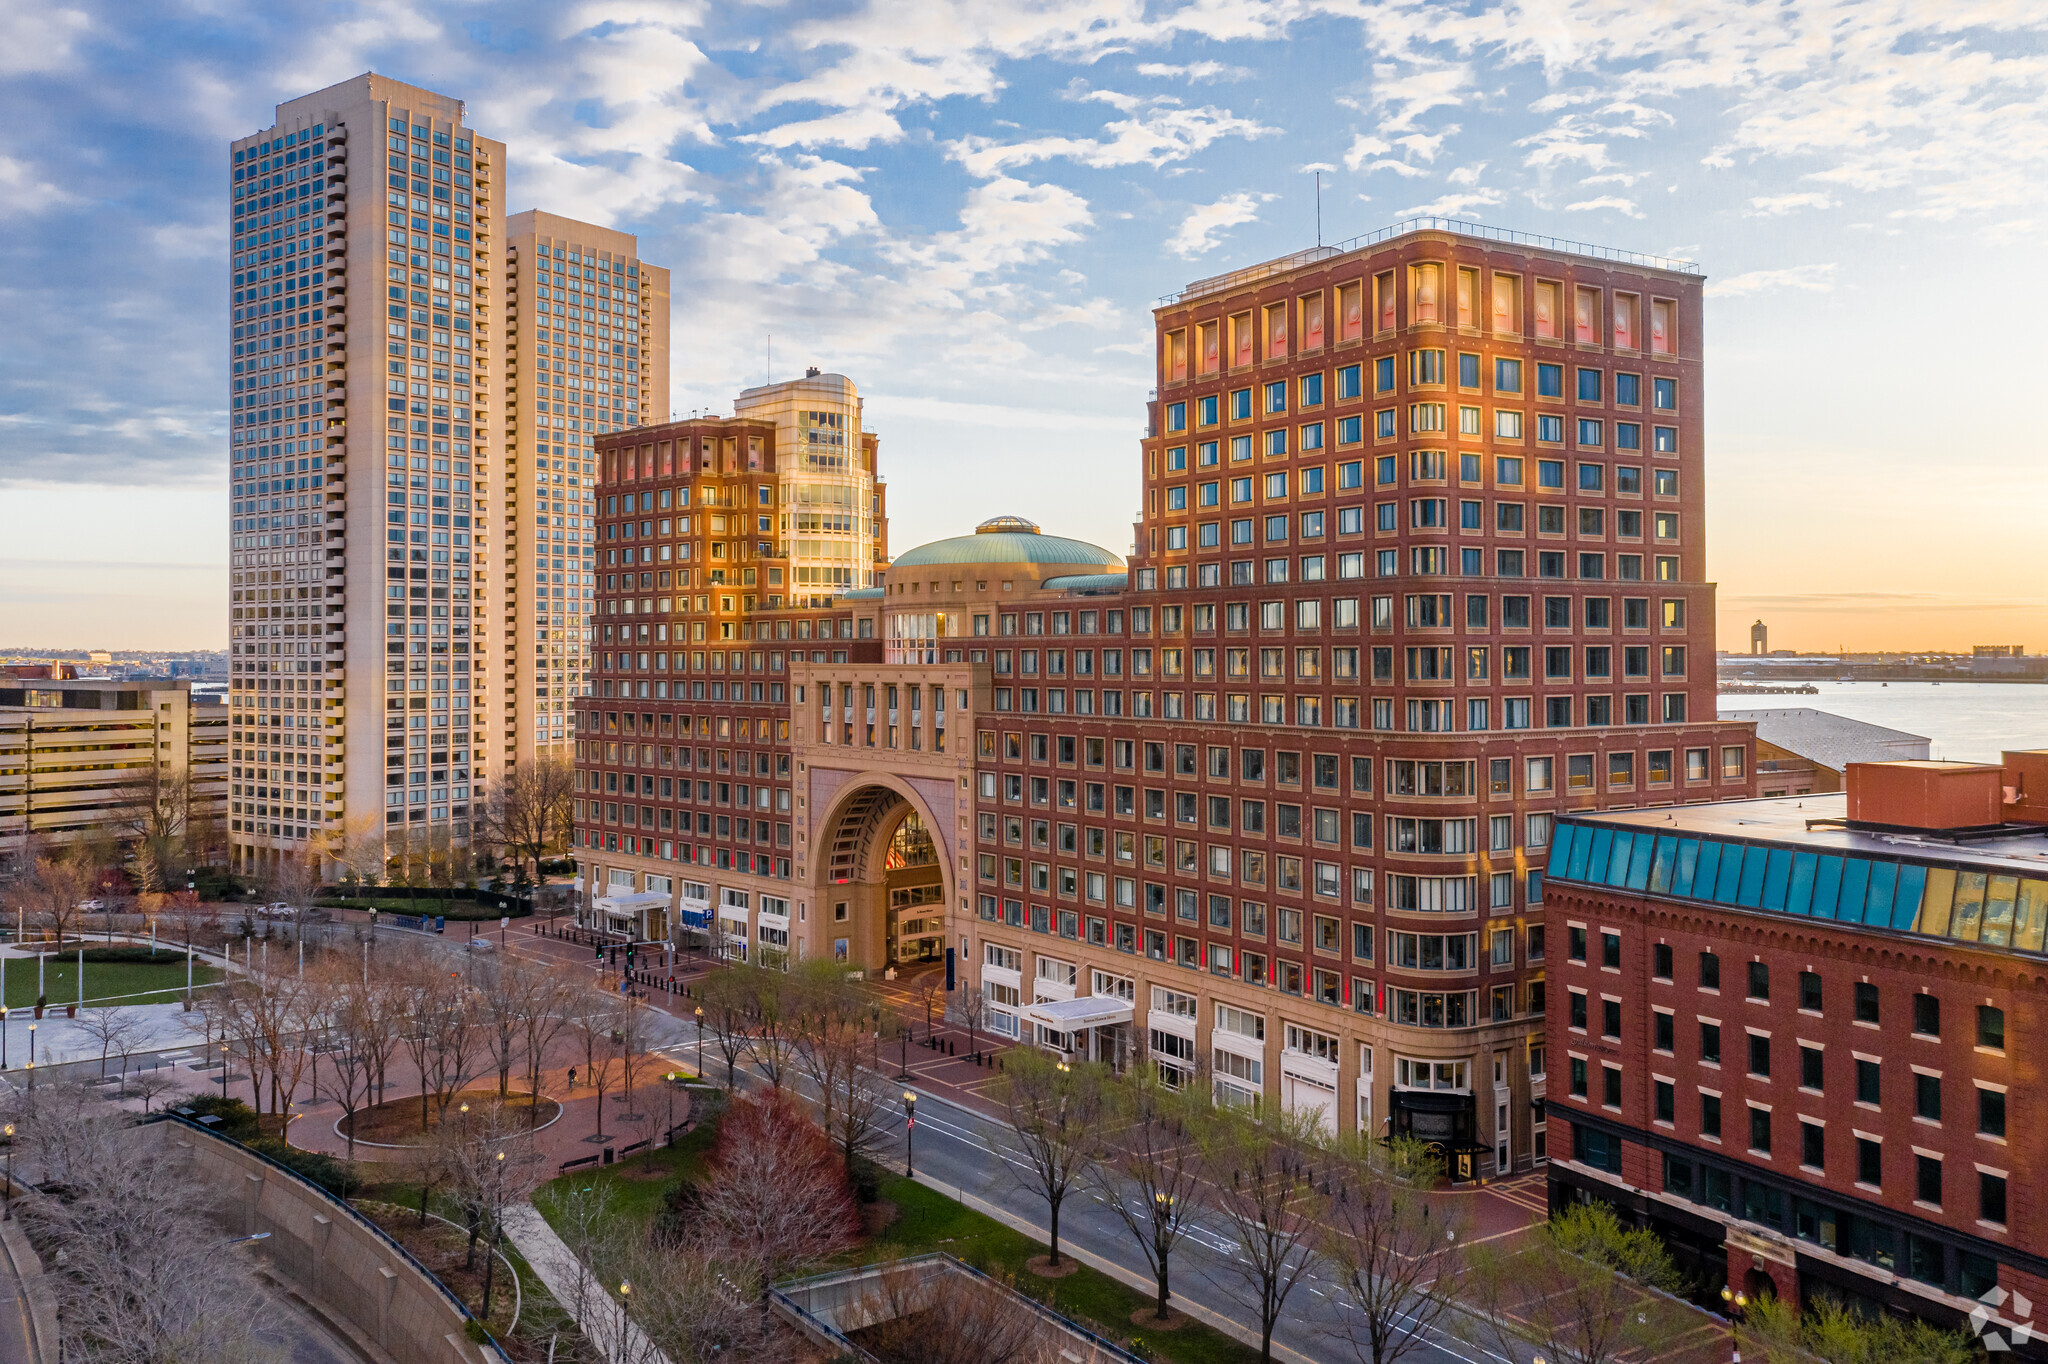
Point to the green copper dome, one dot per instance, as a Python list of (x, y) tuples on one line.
[(1007, 540)]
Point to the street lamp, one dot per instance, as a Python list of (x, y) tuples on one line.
[(223, 1072), (625, 1290), (3, 1037), (909, 1131), (9, 1130), (700, 1041), (670, 1138), (491, 1251)]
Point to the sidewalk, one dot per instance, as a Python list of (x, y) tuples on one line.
[(596, 1312)]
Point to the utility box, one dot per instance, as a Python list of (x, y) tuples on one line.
[(1922, 794)]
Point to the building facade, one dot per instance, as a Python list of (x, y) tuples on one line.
[(1796, 1035), (76, 753), (1419, 570), (385, 668), (586, 354)]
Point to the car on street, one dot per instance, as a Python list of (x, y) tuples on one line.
[(277, 910), (482, 944), (92, 906)]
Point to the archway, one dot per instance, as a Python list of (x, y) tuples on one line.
[(882, 886)]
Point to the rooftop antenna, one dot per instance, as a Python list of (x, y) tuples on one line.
[(1319, 209)]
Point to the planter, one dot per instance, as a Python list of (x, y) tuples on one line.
[(71, 1011), (39, 1011)]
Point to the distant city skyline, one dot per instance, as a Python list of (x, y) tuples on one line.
[(970, 218)]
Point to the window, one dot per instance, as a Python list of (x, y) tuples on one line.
[(1927, 1179), (1869, 1075), (1991, 1112), (1990, 1197), (1760, 1055), (1710, 1115), (1810, 1068), (1813, 1145), (1760, 1130), (1809, 991), (1666, 1101), (1660, 966), (1869, 1162), (1710, 971), (1927, 1096), (1610, 951), (1710, 1042), (1866, 1002), (1990, 1027), (1927, 1015), (1759, 980)]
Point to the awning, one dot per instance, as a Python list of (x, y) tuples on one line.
[(631, 903), (1090, 1011)]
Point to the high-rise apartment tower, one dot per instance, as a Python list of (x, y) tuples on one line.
[(586, 337)]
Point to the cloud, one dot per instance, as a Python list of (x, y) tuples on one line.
[(1626, 207), (1196, 71), (1777, 205), (1200, 230), (1166, 133), (1819, 279), (1454, 205), (25, 191)]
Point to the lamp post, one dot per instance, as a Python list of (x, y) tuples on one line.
[(625, 1291), (223, 1072), (909, 1132), (3, 1037), (9, 1130), (669, 1139), (700, 1041)]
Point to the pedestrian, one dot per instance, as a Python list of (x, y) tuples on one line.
[(572, 1077)]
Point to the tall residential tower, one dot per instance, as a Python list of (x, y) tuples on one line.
[(586, 335)]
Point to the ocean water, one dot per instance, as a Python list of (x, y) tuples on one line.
[(1965, 721)]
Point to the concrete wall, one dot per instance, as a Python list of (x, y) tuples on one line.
[(347, 1270)]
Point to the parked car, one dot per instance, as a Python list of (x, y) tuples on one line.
[(482, 944), (277, 910), (92, 906)]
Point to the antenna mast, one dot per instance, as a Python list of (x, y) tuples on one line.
[(1319, 208)]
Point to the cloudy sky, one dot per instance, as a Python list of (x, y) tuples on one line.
[(970, 206)]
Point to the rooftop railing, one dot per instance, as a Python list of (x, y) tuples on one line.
[(1266, 269)]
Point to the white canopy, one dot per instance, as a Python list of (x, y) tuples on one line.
[(1089, 1011), (631, 903)]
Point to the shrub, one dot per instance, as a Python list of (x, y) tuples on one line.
[(237, 1119), (338, 1177), (867, 1179), (133, 956)]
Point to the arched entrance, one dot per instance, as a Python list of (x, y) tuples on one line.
[(882, 889)]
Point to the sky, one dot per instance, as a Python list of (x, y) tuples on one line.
[(971, 206)]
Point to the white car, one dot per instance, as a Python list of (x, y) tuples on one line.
[(482, 944), (277, 910), (92, 906)]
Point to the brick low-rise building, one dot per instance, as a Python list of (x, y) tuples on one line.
[(1419, 571), (1800, 1036)]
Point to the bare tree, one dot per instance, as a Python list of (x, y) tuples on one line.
[(1151, 1171), (1056, 1112), (441, 1033), (916, 1315), (776, 1016), (931, 990), (833, 1039), (632, 1036), (56, 891), (357, 1012), (357, 851), (773, 1200), (969, 1009), (1396, 1255), (294, 881), (726, 998), (547, 1017), (151, 810), (592, 1021), (530, 811), (1263, 1170), (119, 1245), (114, 1028), (492, 1163), (154, 1081)]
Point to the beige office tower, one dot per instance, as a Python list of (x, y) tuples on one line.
[(367, 385), (586, 354), (828, 512)]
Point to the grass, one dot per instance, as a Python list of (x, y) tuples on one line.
[(930, 1221), (433, 908), (637, 1195), (105, 983)]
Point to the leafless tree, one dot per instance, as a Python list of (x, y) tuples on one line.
[(1151, 1171), (931, 992), (152, 810), (834, 1038), (113, 1028), (154, 1081), (726, 997), (592, 1020), (294, 881), (119, 1241), (441, 1033), (632, 1036), (916, 1316), (1396, 1255), (1263, 1170), (550, 1005), (357, 1013), (356, 849), (492, 1163), (530, 810), (776, 1010), (56, 891), (968, 1008), (1584, 1289), (1056, 1112)]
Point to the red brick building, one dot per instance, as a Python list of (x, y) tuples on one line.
[(1420, 569), (1796, 1035)]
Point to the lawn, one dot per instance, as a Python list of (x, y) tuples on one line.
[(928, 1220), (451, 910), (105, 982), (638, 1183)]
